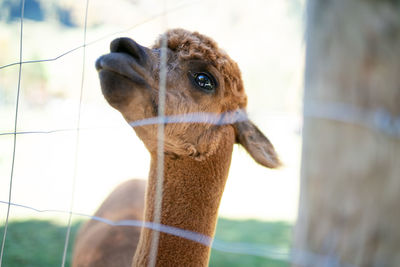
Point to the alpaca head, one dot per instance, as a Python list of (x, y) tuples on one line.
[(201, 79)]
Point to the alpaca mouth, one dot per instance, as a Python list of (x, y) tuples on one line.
[(120, 78), (120, 65)]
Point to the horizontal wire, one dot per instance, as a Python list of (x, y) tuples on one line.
[(96, 128), (190, 235), (158, 15), (229, 117), (380, 120), (42, 60), (38, 132), (296, 256), (198, 117), (199, 238)]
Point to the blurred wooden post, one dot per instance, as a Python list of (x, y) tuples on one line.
[(349, 209)]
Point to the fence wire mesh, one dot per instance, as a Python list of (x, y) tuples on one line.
[(161, 120), (15, 136), (378, 120)]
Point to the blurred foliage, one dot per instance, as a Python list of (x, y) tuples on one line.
[(37, 10), (65, 12), (37, 243)]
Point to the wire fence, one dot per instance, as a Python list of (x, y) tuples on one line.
[(15, 136), (378, 120), (217, 119), (298, 257)]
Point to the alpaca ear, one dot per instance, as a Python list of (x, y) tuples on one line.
[(256, 144)]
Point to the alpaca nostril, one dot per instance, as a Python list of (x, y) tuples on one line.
[(130, 47)]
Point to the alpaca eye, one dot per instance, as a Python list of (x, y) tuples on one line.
[(204, 81)]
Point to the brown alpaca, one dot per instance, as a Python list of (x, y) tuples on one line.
[(200, 78)]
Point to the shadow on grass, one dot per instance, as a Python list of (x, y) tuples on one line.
[(36, 243)]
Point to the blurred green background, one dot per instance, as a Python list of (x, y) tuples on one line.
[(42, 242), (264, 37)]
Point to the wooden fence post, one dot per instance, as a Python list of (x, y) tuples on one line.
[(349, 212)]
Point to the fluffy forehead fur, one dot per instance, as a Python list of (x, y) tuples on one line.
[(195, 46)]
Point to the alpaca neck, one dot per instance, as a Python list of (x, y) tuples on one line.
[(192, 191)]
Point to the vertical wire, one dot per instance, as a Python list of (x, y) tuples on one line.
[(160, 146), (15, 134), (68, 234)]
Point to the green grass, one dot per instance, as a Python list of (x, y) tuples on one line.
[(269, 234), (36, 243)]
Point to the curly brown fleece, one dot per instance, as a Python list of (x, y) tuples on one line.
[(193, 45)]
